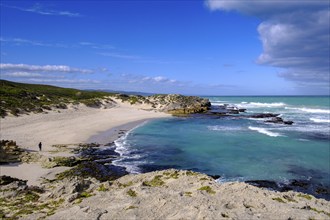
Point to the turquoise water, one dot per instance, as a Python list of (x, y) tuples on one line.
[(238, 148)]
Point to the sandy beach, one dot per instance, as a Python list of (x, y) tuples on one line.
[(79, 124)]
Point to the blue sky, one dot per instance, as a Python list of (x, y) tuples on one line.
[(190, 47)]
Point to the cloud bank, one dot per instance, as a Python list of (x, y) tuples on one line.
[(9, 67), (294, 34)]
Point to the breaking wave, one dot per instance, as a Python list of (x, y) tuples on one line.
[(319, 120), (311, 110), (262, 105), (265, 131)]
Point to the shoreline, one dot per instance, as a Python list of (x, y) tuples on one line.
[(113, 134), (71, 126)]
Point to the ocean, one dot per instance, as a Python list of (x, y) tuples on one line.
[(238, 148)]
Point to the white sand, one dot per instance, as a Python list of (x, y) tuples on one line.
[(70, 126)]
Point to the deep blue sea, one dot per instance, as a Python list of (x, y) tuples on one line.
[(238, 148)]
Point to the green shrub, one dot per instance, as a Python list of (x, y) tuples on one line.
[(208, 189), (156, 181), (131, 193)]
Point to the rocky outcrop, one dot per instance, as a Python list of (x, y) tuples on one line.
[(9, 152), (263, 115), (179, 104), (279, 120)]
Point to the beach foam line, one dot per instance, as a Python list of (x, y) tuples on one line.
[(311, 110), (318, 120), (262, 105), (264, 131), (223, 128), (122, 147)]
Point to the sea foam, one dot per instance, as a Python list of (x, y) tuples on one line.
[(264, 131), (311, 110), (262, 105), (319, 120), (223, 128)]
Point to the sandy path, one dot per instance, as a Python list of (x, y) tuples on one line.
[(70, 126)]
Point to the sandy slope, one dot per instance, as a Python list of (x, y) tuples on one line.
[(69, 126), (188, 195)]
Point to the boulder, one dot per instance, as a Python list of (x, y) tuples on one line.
[(264, 115), (279, 120)]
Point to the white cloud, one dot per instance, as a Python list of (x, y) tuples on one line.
[(265, 8), (64, 81), (120, 56), (9, 67), (20, 41), (58, 75), (158, 79), (295, 36), (84, 44), (97, 46), (22, 74), (39, 9)]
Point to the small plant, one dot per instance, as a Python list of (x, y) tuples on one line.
[(133, 100), (173, 175), (208, 189), (305, 196), (131, 193), (289, 198), (316, 210), (188, 193), (279, 199), (31, 197), (131, 207), (191, 173), (85, 195), (156, 181), (204, 178), (102, 188), (124, 185)]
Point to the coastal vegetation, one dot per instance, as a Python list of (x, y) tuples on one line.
[(21, 98), (207, 189)]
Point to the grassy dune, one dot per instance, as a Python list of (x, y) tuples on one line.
[(17, 98)]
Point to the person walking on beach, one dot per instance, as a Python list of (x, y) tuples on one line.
[(40, 145)]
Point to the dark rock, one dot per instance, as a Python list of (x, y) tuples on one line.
[(93, 169), (279, 120), (118, 170), (215, 176), (9, 152), (263, 115), (242, 109), (61, 106), (264, 184), (322, 190), (275, 120), (5, 180), (233, 111), (145, 168), (300, 183)]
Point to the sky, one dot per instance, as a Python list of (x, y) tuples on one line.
[(211, 47)]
